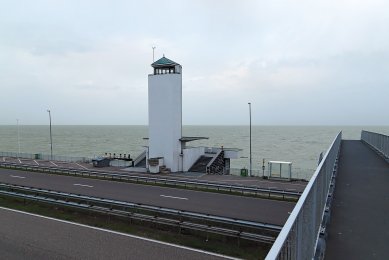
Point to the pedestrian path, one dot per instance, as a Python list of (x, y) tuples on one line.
[(359, 227)]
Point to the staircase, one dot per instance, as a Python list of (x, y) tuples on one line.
[(201, 164), (216, 165), (140, 161)]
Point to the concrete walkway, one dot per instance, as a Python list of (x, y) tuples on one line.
[(359, 227)]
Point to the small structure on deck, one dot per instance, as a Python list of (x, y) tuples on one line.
[(101, 162), (279, 170)]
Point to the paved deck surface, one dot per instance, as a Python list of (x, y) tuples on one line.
[(359, 227), (245, 208), (28, 236)]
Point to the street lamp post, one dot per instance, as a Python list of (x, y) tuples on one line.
[(51, 137), (17, 122), (250, 174)]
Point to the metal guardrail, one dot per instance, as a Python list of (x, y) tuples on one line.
[(158, 180), (378, 142), (41, 156), (300, 236), (248, 230)]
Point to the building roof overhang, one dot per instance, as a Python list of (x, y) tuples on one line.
[(186, 139)]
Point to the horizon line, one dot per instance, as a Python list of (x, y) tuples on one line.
[(384, 125)]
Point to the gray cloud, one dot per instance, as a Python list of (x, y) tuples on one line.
[(321, 62)]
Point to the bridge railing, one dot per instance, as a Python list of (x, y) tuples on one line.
[(378, 141), (299, 237)]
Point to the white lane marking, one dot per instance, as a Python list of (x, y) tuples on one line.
[(290, 189), (19, 160), (82, 166), (36, 162), (172, 197), (117, 233), (273, 187), (54, 164), (83, 185), (16, 176)]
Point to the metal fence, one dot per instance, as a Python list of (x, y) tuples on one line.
[(297, 174), (299, 237), (47, 157), (254, 172), (378, 142)]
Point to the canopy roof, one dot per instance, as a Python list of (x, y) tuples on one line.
[(185, 139), (164, 62)]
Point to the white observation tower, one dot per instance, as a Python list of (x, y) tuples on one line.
[(167, 150), (165, 115)]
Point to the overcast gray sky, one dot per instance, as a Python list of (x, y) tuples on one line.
[(297, 62)]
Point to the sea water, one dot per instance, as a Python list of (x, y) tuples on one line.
[(300, 145)]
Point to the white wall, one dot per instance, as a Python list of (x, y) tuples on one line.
[(165, 118), (231, 154), (191, 155), (120, 163)]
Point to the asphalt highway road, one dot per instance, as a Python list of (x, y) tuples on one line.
[(28, 236), (245, 208), (227, 179)]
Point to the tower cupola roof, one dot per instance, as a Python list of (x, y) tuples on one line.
[(164, 62)]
